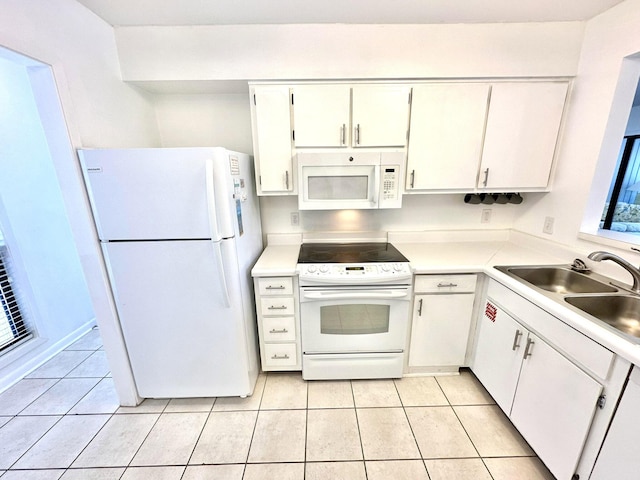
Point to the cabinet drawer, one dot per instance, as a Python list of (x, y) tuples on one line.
[(277, 306), (279, 329), (445, 283), (280, 355), (275, 286)]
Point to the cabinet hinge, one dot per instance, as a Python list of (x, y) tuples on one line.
[(292, 99), (293, 135), (602, 401), (254, 99), (260, 179)]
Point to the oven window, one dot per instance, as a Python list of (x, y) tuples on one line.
[(352, 187), (357, 319)]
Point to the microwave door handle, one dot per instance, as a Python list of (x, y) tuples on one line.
[(376, 183), (354, 295)]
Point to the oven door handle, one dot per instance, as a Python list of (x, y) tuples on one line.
[(382, 295)]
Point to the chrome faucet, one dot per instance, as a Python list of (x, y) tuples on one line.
[(635, 272)]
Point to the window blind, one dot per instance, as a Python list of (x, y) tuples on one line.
[(14, 328)]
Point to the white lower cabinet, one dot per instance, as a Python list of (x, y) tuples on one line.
[(619, 458), (547, 396), (278, 325), (442, 314)]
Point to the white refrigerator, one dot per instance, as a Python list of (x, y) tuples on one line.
[(180, 231)]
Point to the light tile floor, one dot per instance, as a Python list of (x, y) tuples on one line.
[(63, 422)]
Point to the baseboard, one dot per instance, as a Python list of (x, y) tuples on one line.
[(23, 360)]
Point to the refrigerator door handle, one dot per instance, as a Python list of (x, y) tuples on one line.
[(217, 252), (211, 205)]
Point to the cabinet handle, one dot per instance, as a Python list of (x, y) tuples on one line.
[(445, 285), (343, 136), (420, 307), (286, 179), (413, 176), (358, 134), (527, 350), (516, 343), (280, 357), (269, 287), (486, 177), (283, 330), (273, 307)]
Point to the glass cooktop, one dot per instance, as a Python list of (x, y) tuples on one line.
[(349, 253)]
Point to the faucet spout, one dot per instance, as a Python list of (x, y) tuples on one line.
[(634, 271)]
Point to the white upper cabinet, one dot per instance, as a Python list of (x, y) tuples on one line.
[(322, 115), (380, 115), (339, 115), (445, 141), (521, 135), (271, 122)]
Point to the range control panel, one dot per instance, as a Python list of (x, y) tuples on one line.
[(354, 272)]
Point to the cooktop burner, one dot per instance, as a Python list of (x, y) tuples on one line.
[(349, 253)]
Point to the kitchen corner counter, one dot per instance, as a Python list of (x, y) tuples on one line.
[(480, 256)]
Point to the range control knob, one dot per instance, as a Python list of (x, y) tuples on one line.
[(397, 267), (385, 267), (311, 268), (324, 268)]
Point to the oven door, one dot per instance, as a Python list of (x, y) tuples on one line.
[(354, 319)]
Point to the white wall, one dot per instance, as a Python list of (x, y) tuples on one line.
[(266, 52), (98, 110), (205, 120), (594, 129), (34, 219)]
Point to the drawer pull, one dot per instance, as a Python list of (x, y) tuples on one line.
[(273, 307), (446, 285), (270, 287), (420, 307), (280, 357), (283, 330)]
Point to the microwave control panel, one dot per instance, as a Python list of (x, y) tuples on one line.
[(390, 186)]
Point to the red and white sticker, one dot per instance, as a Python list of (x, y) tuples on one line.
[(491, 311)]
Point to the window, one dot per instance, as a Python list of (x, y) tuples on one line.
[(622, 208), (13, 326)]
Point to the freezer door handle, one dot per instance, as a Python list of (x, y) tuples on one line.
[(211, 203), (217, 252)]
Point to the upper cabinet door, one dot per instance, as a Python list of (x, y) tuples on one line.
[(321, 115), (271, 119), (445, 140), (380, 115), (522, 131)]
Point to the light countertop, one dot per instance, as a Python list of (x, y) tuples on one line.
[(440, 256)]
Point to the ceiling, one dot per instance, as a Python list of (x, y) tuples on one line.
[(239, 12)]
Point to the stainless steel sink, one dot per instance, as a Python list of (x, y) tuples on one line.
[(620, 311), (558, 279)]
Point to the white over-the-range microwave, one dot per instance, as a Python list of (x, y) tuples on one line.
[(349, 180)]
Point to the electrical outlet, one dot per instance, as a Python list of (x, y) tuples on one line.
[(295, 219), (486, 215), (548, 225)]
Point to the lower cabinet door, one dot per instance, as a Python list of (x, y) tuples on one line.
[(619, 457), (499, 354), (553, 406), (440, 330)]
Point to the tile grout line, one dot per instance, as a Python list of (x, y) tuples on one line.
[(406, 415), (199, 435)]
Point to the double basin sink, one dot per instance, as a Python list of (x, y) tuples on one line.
[(589, 292)]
